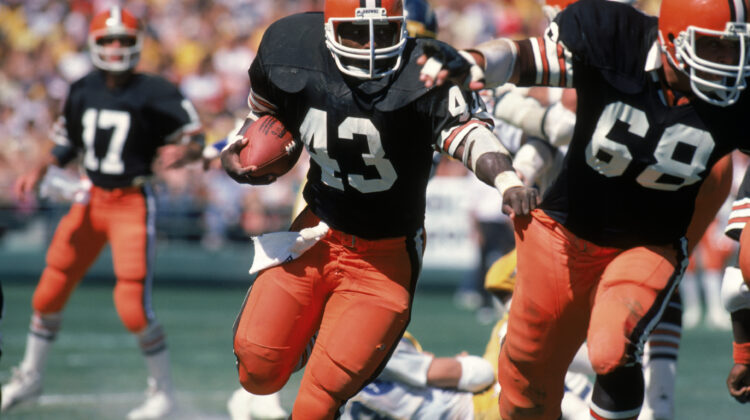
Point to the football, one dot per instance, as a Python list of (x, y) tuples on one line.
[(270, 147)]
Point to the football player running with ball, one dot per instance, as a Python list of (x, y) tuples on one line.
[(345, 82), (119, 120), (658, 104)]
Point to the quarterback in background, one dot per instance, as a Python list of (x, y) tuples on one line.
[(120, 121), (605, 251), (345, 83)]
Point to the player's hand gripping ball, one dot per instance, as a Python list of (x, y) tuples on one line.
[(270, 148)]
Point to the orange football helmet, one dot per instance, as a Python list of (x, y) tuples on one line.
[(369, 62), (560, 4), (718, 80), (115, 23)]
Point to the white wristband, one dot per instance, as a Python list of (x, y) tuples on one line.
[(506, 180), (476, 374)]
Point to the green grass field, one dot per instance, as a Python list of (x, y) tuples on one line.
[(95, 370)]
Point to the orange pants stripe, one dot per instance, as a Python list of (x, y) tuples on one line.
[(570, 290), (124, 218), (355, 293)]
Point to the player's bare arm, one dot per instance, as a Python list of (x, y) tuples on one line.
[(27, 182), (483, 153)]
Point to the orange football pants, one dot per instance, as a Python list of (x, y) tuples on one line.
[(570, 290), (123, 217), (355, 293)]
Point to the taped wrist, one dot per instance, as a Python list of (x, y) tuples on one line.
[(507, 180), (476, 374), (499, 58), (741, 353), (476, 73)]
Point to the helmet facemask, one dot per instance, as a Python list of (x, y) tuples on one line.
[(715, 82), (370, 62)]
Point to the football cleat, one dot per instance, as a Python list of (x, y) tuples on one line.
[(158, 404), (246, 406), (23, 386)]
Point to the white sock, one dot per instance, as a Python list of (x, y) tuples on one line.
[(42, 333), (35, 356), (691, 299), (712, 288), (659, 376), (158, 369)]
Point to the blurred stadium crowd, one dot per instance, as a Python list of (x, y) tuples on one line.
[(205, 47)]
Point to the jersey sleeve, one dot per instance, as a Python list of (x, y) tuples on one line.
[(176, 117), (64, 149), (454, 113), (591, 33), (259, 100)]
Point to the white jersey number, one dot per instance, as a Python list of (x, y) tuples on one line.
[(315, 135), (119, 121), (681, 154)]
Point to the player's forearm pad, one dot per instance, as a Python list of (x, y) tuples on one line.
[(479, 141), (499, 58), (476, 374), (735, 293)]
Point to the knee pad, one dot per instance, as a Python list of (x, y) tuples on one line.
[(262, 370), (130, 304), (53, 291), (607, 352)]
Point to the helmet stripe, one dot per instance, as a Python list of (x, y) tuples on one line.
[(115, 15), (369, 4), (737, 10)]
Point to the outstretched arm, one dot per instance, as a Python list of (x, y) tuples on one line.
[(482, 152), (490, 64), (736, 296)]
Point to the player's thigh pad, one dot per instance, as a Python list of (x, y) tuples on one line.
[(363, 320), (557, 274), (73, 249), (280, 314), (130, 219), (633, 293)]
